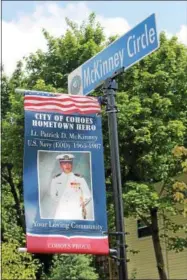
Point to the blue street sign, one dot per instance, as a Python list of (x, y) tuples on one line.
[(118, 56)]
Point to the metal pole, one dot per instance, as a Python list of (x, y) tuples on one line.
[(110, 87)]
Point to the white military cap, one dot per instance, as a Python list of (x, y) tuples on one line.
[(65, 157)]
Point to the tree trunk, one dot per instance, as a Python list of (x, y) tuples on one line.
[(157, 245)]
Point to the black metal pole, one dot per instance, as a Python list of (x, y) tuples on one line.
[(110, 88)]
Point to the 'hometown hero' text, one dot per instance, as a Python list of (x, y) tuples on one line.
[(63, 122)]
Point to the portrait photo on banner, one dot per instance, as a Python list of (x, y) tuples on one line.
[(65, 185)]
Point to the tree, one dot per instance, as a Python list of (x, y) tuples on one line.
[(180, 188), (77, 267), (4, 94), (17, 266), (152, 121), (65, 53)]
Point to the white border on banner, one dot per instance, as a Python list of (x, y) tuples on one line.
[(70, 237)]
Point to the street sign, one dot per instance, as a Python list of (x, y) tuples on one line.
[(117, 57)]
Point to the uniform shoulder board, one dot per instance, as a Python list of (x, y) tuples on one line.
[(78, 175), (57, 175)]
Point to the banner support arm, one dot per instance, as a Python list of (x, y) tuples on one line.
[(19, 90), (22, 250)]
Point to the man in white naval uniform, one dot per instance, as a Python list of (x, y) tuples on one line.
[(70, 191)]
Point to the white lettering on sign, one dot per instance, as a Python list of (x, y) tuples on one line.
[(102, 68), (152, 34), (40, 116), (136, 44)]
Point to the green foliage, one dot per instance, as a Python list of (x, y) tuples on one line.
[(72, 267), (152, 121), (134, 274), (17, 265), (177, 243), (5, 91), (140, 199), (40, 85), (64, 53)]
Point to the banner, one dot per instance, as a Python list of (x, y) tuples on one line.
[(64, 183)]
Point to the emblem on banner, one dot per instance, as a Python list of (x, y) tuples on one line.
[(75, 85)]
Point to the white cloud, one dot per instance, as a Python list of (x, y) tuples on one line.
[(22, 36), (113, 26), (169, 35), (182, 34)]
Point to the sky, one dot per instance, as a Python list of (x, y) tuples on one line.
[(22, 21)]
